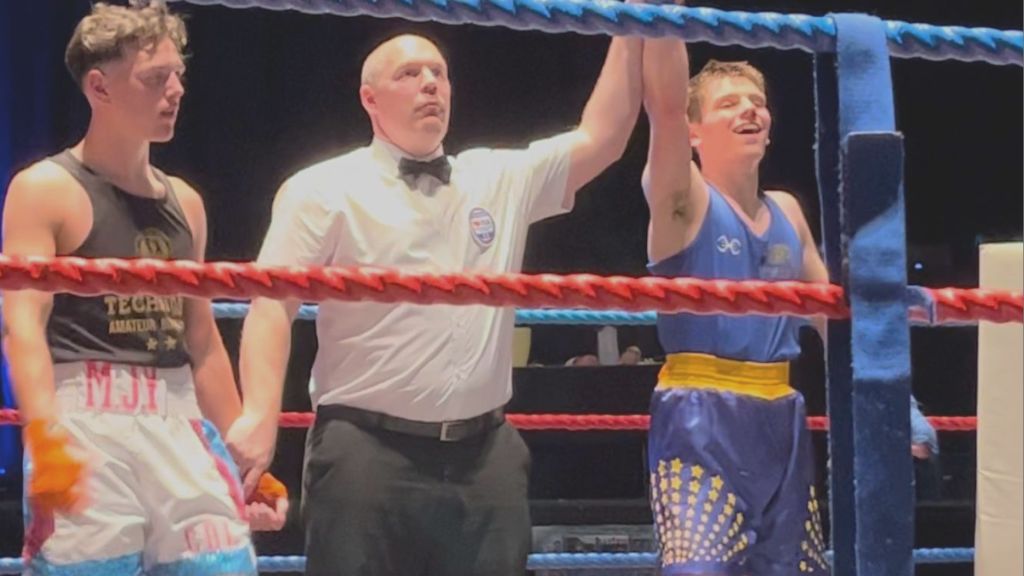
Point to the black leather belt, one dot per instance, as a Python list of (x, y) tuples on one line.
[(450, 431)]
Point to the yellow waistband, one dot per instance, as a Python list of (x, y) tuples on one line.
[(764, 380)]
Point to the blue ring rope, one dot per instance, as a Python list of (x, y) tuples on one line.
[(749, 29), (564, 561), (917, 298)]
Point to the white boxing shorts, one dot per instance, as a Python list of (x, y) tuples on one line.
[(163, 495)]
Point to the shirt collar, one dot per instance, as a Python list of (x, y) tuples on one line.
[(388, 155)]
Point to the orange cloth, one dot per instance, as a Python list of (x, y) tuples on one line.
[(57, 477), (269, 490)]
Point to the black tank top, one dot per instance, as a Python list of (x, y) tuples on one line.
[(143, 330)]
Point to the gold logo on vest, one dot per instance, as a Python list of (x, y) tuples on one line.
[(153, 243), (159, 320), (778, 255), (777, 264)]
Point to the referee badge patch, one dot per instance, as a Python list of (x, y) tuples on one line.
[(481, 226)]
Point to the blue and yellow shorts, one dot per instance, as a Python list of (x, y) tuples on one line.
[(732, 471)]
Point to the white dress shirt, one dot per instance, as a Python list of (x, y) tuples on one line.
[(422, 362)]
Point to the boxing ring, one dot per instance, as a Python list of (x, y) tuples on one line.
[(860, 175)]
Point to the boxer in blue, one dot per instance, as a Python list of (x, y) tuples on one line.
[(731, 466)]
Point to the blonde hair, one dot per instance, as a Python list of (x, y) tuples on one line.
[(715, 70), (103, 35)]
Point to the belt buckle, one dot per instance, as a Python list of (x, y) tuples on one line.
[(446, 428)]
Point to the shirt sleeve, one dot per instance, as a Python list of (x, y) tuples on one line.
[(301, 229), (921, 430), (542, 171)]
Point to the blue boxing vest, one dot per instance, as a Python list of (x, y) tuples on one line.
[(726, 249)]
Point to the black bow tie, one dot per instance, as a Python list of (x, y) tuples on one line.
[(438, 168)]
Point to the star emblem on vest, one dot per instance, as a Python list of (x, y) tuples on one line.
[(481, 227), (729, 245)]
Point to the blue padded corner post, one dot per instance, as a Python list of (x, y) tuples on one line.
[(839, 365), (860, 174)]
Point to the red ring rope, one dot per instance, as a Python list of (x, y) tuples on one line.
[(313, 284), (584, 422)]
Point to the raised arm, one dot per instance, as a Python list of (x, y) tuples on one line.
[(675, 191), (609, 116)]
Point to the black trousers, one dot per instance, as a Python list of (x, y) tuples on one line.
[(384, 503)]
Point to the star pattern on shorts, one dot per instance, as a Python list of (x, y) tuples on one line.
[(702, 523)]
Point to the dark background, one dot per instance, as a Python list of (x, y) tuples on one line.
[(272, 92)]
